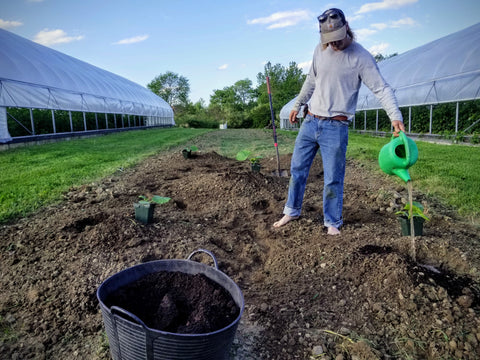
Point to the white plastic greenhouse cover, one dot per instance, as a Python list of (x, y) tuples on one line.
[(35, 76), (285, 114), (444, 70)]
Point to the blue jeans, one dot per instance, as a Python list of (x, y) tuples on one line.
[(331, 136)]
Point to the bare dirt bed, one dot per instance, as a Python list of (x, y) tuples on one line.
[(307, 295)]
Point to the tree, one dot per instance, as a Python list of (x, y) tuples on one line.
[(244, 94), (233, 102), (285, 84), (224, 98), (380, 57), (172, 88), (236, 97)]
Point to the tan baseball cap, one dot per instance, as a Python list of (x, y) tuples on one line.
[(333, 26)]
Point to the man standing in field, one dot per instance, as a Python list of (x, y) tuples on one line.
[(339, 67)]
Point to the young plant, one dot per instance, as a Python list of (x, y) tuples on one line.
[(417, 210), (191, 148), (145, 207), (156, 199), (187, 152), (245, 154)]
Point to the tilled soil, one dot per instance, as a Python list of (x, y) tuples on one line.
[(307, 295)]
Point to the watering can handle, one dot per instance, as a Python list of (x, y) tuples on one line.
[(206, 252), (405, 144)]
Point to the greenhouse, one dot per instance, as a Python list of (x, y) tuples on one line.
[(46, 93), (446, 70)]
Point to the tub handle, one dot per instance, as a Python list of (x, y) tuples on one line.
[(128, 314), (206, 252), (150, 335)]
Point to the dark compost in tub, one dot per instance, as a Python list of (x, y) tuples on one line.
[(177, 302)]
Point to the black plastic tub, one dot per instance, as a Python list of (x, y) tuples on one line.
[(130, 339)]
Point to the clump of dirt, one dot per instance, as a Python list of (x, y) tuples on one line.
[(177, 302), (307, 294)]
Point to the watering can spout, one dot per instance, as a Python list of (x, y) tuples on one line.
[(398, 155), (402, 174)]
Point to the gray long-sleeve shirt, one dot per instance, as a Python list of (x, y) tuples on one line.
[(334, 80)]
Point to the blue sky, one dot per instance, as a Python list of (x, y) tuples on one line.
[(214, 43)]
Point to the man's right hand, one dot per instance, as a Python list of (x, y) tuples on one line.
[(397, 127), (293, 117)]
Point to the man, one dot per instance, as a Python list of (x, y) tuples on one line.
[(339, 67)]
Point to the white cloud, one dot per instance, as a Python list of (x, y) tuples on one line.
[(353, 18), (282, 19), (305, 66), (384, 5), (403, 22), (379, 49), (223, 67), (50, 37), (379, 26), (364, 33), (132, 40), (6, 24), (374, 28)]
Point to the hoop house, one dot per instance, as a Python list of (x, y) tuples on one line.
[(444, 70), (33, 76)]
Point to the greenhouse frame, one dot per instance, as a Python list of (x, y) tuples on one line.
[(446, 70), (36, 78)]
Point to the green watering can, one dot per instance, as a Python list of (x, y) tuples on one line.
[(398, 155)]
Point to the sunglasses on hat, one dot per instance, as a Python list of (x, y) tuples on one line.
[(332, 14)]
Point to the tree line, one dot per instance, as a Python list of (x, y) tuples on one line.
[(240, 105)]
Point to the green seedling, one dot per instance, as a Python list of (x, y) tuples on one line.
[(416, 210), (187, 152), (154, 199), (191, 148), (245, 154)]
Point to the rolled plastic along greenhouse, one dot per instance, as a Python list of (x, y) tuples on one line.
[(446, 70), (34, 77)]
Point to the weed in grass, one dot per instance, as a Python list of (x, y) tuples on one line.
[(7, 334), (441, 333), (407, 347), (104, 347), (355, 346)]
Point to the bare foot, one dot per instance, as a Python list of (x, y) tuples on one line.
[(332, 230), (285, 219)]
